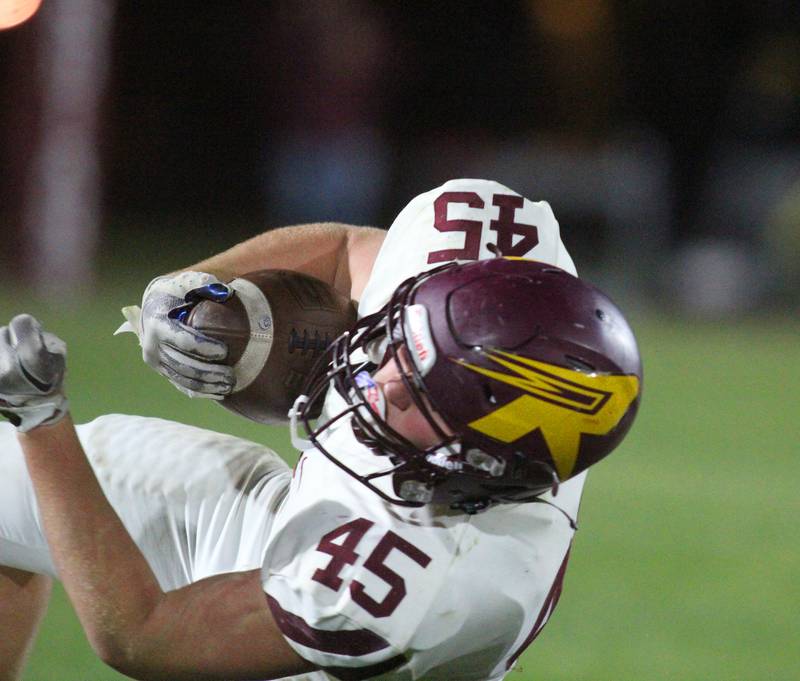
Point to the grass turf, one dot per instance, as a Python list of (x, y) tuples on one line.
[(685, 565)]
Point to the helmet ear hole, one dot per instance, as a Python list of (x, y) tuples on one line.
[(489, 395)]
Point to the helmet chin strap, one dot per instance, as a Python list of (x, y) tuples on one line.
[(572, 523)]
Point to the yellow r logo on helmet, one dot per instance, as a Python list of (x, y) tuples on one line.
[(562, 403)]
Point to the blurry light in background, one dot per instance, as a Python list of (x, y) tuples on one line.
[(15, 12)]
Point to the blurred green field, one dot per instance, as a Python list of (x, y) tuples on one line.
[(686, 565)]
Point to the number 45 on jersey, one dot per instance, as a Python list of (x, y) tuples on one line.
[(505, 226), (344, 553)]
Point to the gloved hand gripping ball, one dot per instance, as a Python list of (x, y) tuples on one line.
[(191, 361), (276, 324)]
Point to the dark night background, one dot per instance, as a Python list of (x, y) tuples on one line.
[(221, 119)]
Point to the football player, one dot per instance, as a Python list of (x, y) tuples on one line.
[(426, 528)]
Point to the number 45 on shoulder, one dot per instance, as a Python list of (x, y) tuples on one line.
[(344, 553)]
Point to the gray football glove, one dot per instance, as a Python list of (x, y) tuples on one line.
[(185, 356), (32, 367)]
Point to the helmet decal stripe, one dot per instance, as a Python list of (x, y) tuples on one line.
[(561, 402)]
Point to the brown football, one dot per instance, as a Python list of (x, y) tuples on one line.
[(276, 325)]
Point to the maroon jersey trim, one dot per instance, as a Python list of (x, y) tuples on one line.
[(548, 607), (351, 642)]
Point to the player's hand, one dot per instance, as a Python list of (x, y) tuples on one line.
[(32, 367), (188, 358)]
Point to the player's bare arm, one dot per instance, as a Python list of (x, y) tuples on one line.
[(131, 623), (338, 254), (220, 627)]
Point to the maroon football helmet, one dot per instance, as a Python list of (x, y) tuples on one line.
[(535, 373)]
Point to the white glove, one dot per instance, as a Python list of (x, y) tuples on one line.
[(32, 366), (188, 358)]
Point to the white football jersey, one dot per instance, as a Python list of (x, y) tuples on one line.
[(364, 588)]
